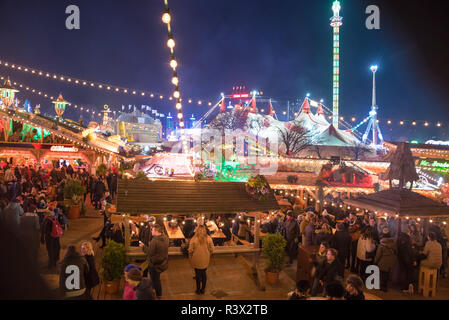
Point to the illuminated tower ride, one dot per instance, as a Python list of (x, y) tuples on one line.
[(373, 117), (336, 23)]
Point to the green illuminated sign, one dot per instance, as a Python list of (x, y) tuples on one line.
[(435, 165)]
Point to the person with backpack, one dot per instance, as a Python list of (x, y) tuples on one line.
[(51, 231)]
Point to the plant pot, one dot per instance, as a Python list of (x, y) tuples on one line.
[(272, 277), (111, 287), (74, 212)]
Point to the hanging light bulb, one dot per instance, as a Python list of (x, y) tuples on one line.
[(180, 116), (178, 106), (181, 124), (175, 79), (173, 63), (176, 94), (171, 43), (166, 18)]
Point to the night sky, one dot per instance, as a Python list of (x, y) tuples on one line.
[(283, 48)]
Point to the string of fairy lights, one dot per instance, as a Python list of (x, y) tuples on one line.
[(166, 18), (91, 110), (97, 85)]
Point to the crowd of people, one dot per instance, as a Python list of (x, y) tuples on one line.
[(355, 242)]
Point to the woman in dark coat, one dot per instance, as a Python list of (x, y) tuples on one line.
[(92, 278)]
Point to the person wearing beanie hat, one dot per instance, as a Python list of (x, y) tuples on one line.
[(142, 286), (129, 293), (354, 288)]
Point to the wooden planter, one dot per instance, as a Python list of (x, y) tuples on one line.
[(272, 277), (74, 212), (111, 287)]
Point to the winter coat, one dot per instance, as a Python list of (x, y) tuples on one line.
[(189, 228), (73, 260), (92, 278), (129, 293), (331, 272), (386, 254), (99, 189), (291, 230), (310, 234), (341, 241), (157, 253), (364, 246), (144, 290), (199, 253), (12, 213), (434, 255), (405, 251), (303, 225), (243, 230)]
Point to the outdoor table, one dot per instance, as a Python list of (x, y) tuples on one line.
[(218, 235), (173, 233)]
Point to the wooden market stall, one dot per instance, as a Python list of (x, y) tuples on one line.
[(163, 197), (136, 197)]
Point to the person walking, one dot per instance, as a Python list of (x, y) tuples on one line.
[(51, 231), (366, 251), (73, 263), (385, 258), (291, 233), (157, 256), (341, 241), (92, 278), (200, 249)]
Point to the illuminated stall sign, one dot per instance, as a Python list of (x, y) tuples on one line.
[(434, 165), (63, 149)]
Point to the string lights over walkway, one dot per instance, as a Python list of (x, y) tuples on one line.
[(98, 85)]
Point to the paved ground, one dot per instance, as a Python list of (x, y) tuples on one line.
[(228, 278)]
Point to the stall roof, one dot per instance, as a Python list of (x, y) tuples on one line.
[(402, 202), (183, 197)]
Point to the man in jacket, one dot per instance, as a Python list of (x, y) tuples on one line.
[(157, 256), (341, 241), (406, 259), (72, 277), (385, 258), (100, 189), (332, 271), (291, 234), (354, 227)]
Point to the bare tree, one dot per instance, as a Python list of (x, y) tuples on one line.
[(359, 149), (230, 120), (295, 139)]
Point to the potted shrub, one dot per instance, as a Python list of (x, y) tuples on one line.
[(74, 192), (273, 247), (102, 170), (112, 265), (141, 176)]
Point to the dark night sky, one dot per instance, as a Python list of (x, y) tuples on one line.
[(283, 47)]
